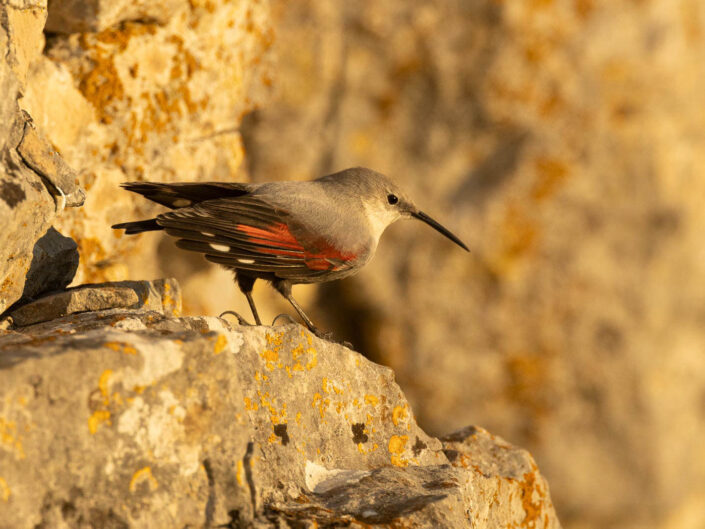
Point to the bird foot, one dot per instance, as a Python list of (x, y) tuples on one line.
[(286, 317), (240, 319), (328, 336)]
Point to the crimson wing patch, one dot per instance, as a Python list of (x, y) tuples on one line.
[(248, 234)]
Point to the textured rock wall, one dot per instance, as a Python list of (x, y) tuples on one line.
[(147, 90), (188, 422), (563, 140), (33, 176)]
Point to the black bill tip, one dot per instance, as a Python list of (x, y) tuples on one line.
[(438, 227)]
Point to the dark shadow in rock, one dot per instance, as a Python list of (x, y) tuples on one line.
[(54, 264)]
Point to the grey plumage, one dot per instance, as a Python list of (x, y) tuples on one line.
[(284, 232)]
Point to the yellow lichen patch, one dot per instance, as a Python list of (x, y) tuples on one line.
[(121, 347), (10, 438), (250, 405), (321, 402), (316, 398), (4, 490), (143, 475), (397, 444), (96, 419), (371, 400), (297, 351), (399, 414), (360, 448), (239, 472), (272, 438), (103, 385), (274, 339), (102, 414), (271, 358), (169, 302), (533, 508), (330, 387), (313, 362), (298, 417), (220, 344)]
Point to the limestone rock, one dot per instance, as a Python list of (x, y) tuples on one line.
[(30, 169), (137, 418), (24, 22), (54, 263), (162, 295), (145, 90), (77, 16)]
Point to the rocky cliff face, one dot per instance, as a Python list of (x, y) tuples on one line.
[(560, 138), (135, 417)]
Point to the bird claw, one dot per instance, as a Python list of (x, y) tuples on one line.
[(240, 319), (328, 336), (285, 316)]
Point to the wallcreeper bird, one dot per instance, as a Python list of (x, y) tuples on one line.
[(284, 232)]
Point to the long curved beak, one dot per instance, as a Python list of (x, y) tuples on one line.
[(436, 226)]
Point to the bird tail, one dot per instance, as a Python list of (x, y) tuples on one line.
[(138, 226), (184, 194)]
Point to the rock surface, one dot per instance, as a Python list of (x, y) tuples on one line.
[(162, 294), (54, 263), (136, 418), (31, 172), (563, 141), (145, 90)]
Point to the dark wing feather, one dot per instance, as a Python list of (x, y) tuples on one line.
[(185, 194), (247, 233)]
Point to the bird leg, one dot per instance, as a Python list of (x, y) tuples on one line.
[(284, 288), (246, 283)]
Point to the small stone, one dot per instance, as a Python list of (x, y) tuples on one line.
[(160, 295)]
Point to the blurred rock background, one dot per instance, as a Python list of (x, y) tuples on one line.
[(563, 140)]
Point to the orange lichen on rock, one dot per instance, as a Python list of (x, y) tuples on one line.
[(396, 447)]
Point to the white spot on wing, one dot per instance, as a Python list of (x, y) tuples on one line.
[(208, 234), (181, 202), (246, 261), (220, 247)]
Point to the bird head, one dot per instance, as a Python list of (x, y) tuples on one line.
[(384, 201)]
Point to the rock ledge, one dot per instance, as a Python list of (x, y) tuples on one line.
[(132, 417)]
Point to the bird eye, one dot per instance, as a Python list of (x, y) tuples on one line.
[(392, 199)]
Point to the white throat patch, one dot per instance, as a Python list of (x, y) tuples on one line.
[(379, 218)]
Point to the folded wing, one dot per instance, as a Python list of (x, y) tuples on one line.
[(247, 233)]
